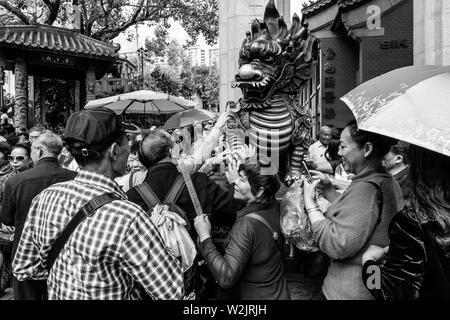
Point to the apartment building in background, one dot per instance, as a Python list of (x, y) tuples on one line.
[(203, 55)]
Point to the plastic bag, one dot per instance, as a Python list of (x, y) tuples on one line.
[(295, 224), (172, 229)]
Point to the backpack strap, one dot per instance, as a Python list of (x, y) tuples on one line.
[(175, 191), (275, 235), (172, 197), (130, 181), (148, 195)]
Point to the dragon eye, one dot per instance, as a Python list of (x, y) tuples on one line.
[(269, 59)]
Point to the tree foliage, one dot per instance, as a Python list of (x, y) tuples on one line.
[(182, 79), (206, 84), (164, 82), (159, 44), (106, 19), (198, 81)]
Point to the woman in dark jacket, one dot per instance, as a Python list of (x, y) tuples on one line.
[(253, 261), (417, 264)]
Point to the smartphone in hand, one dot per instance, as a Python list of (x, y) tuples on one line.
[(306, 172)]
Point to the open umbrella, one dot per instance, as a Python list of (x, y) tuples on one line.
[(187, 118), (410, 104), (143, 102)]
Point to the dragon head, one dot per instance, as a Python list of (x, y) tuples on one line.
[(273, 58)]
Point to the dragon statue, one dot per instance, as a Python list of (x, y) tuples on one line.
[(275, 64)]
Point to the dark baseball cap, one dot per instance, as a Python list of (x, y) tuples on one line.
[(96, 128)]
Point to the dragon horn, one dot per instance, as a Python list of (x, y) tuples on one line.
[(283, 28), (271, 16), (265, 33), (296, 25), (283, 38), (256, 28)]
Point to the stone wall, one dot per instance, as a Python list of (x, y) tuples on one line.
[(235, 17), (432, 32)]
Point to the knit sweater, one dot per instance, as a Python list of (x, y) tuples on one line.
[(352, 225)]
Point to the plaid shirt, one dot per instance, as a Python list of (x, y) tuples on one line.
[(109, 256)]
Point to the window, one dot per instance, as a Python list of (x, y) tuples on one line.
[(202, 57)]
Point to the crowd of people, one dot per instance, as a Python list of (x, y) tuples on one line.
[(105, 213)]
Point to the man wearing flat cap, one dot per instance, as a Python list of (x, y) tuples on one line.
[(116, 251)]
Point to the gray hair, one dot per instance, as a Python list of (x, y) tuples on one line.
[(37, 128), (322, 129), (156, 145), (51, 142)]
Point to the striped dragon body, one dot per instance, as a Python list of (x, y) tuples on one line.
[(271, 128), (278, 130)]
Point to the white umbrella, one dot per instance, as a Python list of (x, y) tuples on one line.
[(410, 104), (187, 118), (143, 102)]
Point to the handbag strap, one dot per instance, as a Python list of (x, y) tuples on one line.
[(268, 226), (87, 210), (191, 189), (380, 201)]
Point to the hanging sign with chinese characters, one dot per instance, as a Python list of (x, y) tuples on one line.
[(54, 59), (329, 83)]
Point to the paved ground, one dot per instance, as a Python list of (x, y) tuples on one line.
[(300, 287), (7, 295)]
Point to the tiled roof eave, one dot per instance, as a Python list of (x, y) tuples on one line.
[(323, 4), (343, 4), (54, 39), (76, 53), (317, 6)]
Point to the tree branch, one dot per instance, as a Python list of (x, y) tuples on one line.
[(110, 33), (87, 27), (106, 14), (15, 11), (53, 8)]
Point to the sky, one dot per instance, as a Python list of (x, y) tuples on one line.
[(177, 32)]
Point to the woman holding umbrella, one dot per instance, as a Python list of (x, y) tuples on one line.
[(417, 261)]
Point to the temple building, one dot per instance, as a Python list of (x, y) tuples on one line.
[(360, 40), (55, 70)]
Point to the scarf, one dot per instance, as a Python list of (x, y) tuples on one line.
[(7, 168)]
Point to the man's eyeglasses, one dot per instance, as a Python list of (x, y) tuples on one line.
[(17, 158)]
